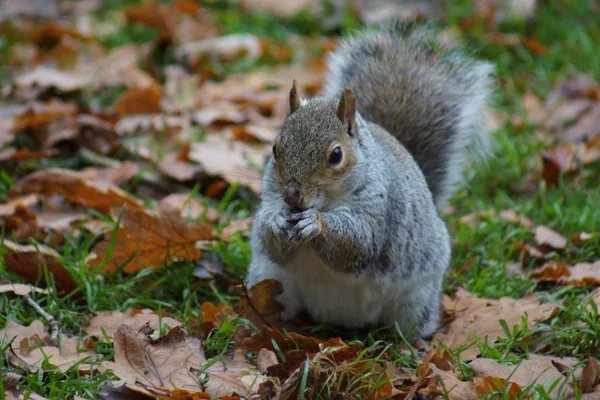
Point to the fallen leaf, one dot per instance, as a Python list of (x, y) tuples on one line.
[(77, 187), (491, 385), (228, 160), (454, 387), (21, 289), (17, 332), (139, 101), (107, 322), (580, 274), (50, 33), (213, 316), (29, 262), (590, 376), (558, 160), (61, 220), (282, 9), (507, 215), (68, 353), (587, 127), (12, 204), (118, 175), (538, 369), (145, 240), (289, 341), (260, 305), (265, 359), (171, 363), (547, 237), (479, 317)]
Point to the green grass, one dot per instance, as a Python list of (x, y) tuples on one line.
[(510, 180)]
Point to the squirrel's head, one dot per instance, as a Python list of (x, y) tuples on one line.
[(316, 149)]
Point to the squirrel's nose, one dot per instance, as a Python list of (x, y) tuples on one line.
[(292, 195)]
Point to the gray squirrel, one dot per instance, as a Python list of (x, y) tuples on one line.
[(348, 220)]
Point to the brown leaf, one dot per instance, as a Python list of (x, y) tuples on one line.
[(50, 33), (70, 351), (171, 363), (456, 389), (580, 274), (220, 158), (154, 15), (281, 9), (266, 358), (260, 305), (475, 316), (29, 262), (17, 332), (547, 237), (590, 376), (213, 316), (534, 45), (560, 159), (538, 369), (118, 175), (77, 187), (139, 101), (488, 384), (507, 215), (107, 322), (145, 240), (587, 126), (289, 341)]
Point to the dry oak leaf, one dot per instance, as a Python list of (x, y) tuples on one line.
[(289, 341), (107, 322), (476, 316), (491, 385), (14, 155), (237, 225), (17, 332), (77, 187), (68, 353), (538, 369), (228, 160), (139, 101), (455, 388), (260, 306), (547, 237), (172, 362), (213, 316), (148, 240), (29, 261), (579, 275), (590, 375)]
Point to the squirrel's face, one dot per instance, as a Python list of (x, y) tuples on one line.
[(316, 150)]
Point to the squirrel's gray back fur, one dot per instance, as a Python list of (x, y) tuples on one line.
[(432, 100)]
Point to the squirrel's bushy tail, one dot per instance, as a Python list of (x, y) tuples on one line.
[(432, 100)]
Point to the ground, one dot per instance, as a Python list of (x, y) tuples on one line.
[(524, 225)]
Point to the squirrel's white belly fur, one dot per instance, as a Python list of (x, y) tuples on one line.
[(347, 300)]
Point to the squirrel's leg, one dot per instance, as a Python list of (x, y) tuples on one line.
[(418, 312)]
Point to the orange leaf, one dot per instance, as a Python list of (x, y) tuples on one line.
[(212, 315), (147, 240), (489, 384), (155, 15), (77, 187), (50, 33), (139, 101), (29, 261)]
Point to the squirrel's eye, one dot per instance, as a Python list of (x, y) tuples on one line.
[(335, 157), (274, 151)]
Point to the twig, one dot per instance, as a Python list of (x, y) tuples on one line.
[(52, 323)]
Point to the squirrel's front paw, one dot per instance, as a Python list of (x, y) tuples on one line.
[(280, 224), (306, 226)]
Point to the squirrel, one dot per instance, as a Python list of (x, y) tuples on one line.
[(349, 221)]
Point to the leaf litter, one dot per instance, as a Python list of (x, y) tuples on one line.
[(152, 130)]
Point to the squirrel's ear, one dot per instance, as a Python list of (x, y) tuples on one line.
[(346, 108), (294, 98)]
